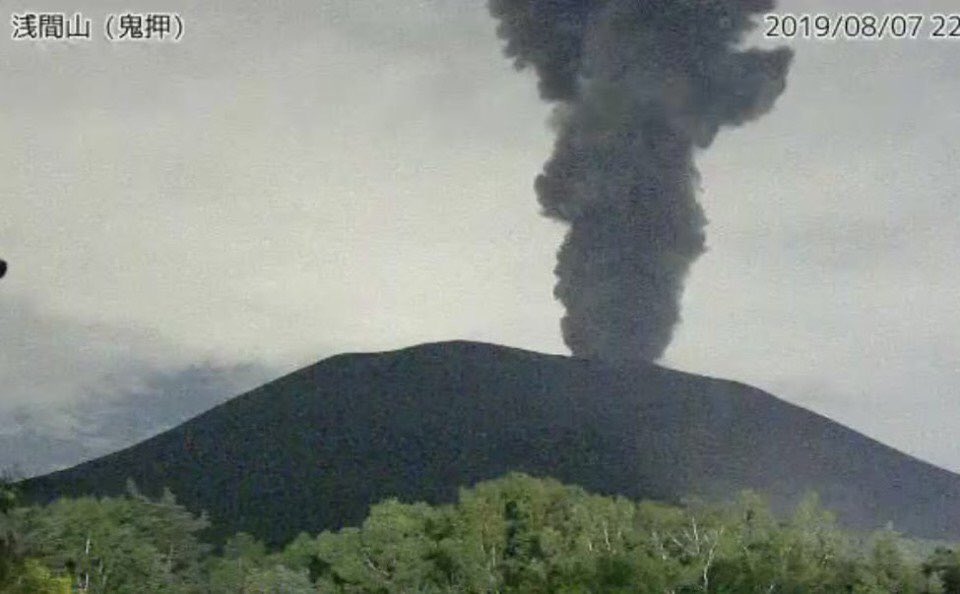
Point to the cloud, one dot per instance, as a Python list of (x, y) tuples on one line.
[(297, 180), (72, 390)]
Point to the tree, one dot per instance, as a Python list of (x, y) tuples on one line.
[(243, 555), (124, 544), (9, 538), (18, 573), (515, 535), (944, 566)]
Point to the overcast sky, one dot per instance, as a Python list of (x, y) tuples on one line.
[(291, 182)]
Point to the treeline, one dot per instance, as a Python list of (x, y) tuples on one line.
[(516, 534)]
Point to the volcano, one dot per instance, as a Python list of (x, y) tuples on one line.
[(314, 449)]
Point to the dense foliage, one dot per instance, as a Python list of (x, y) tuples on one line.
[(515, 534)]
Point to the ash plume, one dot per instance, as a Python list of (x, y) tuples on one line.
[(638, 84)]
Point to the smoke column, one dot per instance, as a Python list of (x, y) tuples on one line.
[(637, 84)]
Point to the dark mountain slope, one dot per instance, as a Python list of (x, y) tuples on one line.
[(314, 449)]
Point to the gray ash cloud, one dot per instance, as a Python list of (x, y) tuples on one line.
[(638, 85)]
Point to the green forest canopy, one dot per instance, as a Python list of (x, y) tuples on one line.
[(515, 534)]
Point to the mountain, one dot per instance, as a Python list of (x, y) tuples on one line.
[(314, 449)]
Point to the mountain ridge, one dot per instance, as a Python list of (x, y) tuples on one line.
[(313, 449)]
